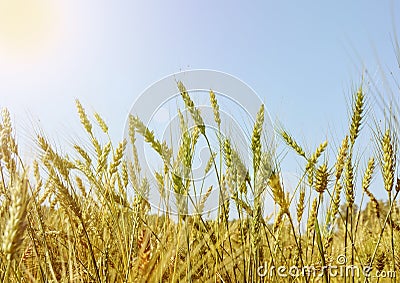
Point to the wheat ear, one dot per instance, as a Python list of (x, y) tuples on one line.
[(357, 116), (14, 230), (256, 138)]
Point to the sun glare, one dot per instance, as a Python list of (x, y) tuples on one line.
[(25, 25)]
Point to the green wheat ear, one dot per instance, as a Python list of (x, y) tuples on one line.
[(289, 140), (193, 110), (341, 157), (349, 182), (366, 182), (256, 138), (76, 219), (388, 160), (161, 148), (310, 167), (357, 116), (215, 107)]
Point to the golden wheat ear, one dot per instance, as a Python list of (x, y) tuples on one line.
[(14, 231), (144, 251)]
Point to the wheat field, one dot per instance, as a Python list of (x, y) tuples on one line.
[(85, 217)]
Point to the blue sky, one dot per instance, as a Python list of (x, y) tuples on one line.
[(303, 58)]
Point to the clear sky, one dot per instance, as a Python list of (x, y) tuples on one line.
[(303, 58)]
